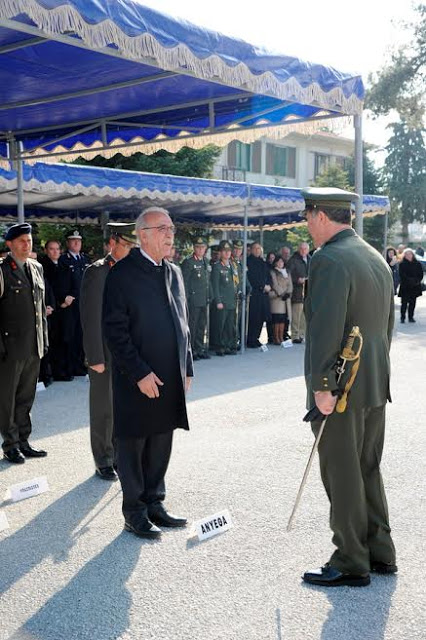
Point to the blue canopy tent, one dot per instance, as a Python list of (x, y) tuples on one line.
[(103, 75), (81, 194)]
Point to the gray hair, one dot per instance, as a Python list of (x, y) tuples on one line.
[(141, 219)]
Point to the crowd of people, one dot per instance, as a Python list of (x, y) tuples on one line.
[(407, 273)]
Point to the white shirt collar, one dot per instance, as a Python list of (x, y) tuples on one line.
[(145, 255), (74, 255)]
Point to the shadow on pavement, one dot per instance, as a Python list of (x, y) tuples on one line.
[(364, 614), (49, 534), (95, 604)]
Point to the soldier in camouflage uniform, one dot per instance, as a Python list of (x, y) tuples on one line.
[(225, 292), (196, 275)]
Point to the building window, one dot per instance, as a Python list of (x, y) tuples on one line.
[(322, 162), (239, 155), (280, 161)]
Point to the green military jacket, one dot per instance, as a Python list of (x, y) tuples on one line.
[(350, 284), (196, 276), (224, 285), (23, 323)]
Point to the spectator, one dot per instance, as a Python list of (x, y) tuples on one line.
[(393, 263), (285, 254), (280, 301), (260, 280), (420, 252), (411, 276), (298, 266), (400, 252), (270, 258)]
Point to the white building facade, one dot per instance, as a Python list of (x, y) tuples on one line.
[(293, 161)]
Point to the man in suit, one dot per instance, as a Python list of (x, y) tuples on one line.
[(145, 324), (98, 356), (350, 285), (298, 267), (76, 262), (196, 275), (23, 342)]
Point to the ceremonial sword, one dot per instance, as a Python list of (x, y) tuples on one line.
[(348, 355)]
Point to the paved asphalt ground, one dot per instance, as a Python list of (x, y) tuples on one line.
[(68, 571)]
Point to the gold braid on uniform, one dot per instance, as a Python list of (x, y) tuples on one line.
[(235, 276)]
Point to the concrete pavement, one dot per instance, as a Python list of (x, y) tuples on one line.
[(69, 572)]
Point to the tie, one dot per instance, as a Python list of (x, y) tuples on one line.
[(28, 273)]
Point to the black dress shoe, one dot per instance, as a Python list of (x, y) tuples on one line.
[(159, 516), (328, 576), (383, 567), (220, 353), (143, 528), (106, 473), (63, 378), (204, 356), (29, 452), (411, 320), (195, 357), (14, 456), (297, 341)]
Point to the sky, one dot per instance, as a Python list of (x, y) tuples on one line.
[(353, 37)]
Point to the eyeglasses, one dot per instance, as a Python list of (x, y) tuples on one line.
[(164, 228)]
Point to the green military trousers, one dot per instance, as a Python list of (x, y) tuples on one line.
[(197, 328), (226, 335), (350, 452)]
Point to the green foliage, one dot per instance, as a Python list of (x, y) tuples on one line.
[(405, 174), (400, 84), (195, 163), (92, 242), (333, 176)]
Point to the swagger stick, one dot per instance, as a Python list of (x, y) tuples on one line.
[(348, 355)]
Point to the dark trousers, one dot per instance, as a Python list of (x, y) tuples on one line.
[(101, 417), (18, 381), (411, 304), (226, 329), (350, 452), (197, 328), (141, 466), (256, 319)]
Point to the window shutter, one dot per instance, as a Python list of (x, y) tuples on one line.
[(257, 157), (291, 162), (232, 154), (269, 160)]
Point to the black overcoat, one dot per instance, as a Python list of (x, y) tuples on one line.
[(411, 276), (145, 324)]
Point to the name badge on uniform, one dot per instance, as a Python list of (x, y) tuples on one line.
[(212, 525), (28, 489)]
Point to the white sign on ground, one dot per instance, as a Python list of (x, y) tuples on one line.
[(28, 489), (40, 387), (212, 525), (4, 524), (286, 344), (263, 348)]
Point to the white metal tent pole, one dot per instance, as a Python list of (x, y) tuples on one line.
[(244, 296), (20, 185), (358, 174)]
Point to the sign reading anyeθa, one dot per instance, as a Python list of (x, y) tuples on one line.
[(212, 525), (28, 489)]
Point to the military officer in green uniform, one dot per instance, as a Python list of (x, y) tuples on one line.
[(98, 356), (23, 342), (196, 275), (350, 285), (237, 264), (224, 303)]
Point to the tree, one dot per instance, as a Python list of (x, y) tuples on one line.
[(195, 163), (405, 174), (400, 84)]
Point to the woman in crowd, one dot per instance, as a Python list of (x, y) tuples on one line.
[(270, 258), (280, 300), (411, 276), (392, 260)]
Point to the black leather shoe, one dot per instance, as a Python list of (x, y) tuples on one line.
[(411, 320), (63, 378), (14, 456), (205, 356), (106, 473), (29, 452), (297, 341), (328, 576), (383, 567), (220, 353), (143, 529), (402, 320), (159, 516), (195, 357)]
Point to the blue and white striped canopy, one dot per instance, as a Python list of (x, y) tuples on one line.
[(87, 72), (73, 193)]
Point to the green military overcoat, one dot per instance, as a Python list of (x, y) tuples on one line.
[(350, 284)]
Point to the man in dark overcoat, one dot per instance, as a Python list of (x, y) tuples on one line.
[(259, 276), (97, 353), (298, 267), (350, 285), (145, 325), (75, 261), (23, 342)]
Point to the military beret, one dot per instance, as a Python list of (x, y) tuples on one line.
[(238, 244), (224, 246), (74, 234), (17, 230), (123, 230), (199, 241), (317, 197)]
